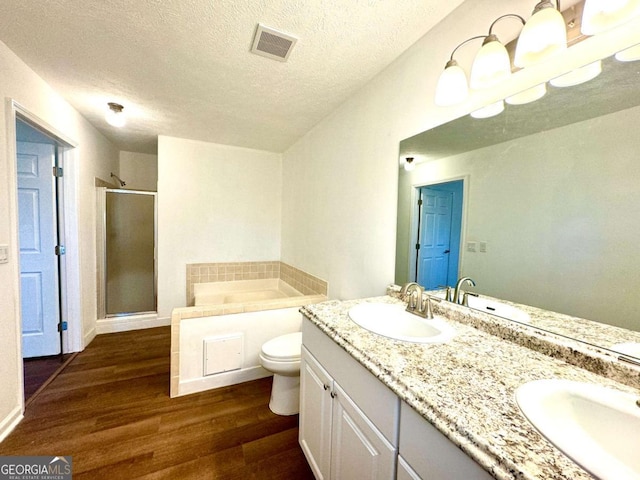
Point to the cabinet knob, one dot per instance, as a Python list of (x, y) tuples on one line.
[(325, 386), (333, 394)]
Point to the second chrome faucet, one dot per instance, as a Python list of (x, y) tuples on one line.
[(458, 290)]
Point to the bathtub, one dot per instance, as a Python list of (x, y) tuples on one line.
[(217, 342), (242, 291)]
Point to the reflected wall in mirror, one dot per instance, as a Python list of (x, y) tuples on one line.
[(552, 188)]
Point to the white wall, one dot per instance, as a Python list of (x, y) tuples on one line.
[(216, 203), (340, 180), (139, 171), (94, 156)]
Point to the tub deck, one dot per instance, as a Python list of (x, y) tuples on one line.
[(257, 310)]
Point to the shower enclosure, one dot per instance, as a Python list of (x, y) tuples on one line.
[(129, 252)]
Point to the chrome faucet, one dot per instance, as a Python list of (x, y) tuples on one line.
[(458, 289), (416, 303), (414, 291)]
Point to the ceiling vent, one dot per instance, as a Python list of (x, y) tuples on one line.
[(272, 44)]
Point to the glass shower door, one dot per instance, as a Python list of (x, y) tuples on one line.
[(130, 264)]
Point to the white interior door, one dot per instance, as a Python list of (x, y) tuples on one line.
[(38, 261)]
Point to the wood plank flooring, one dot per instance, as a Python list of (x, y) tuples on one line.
[(110, 409), (38, 371)]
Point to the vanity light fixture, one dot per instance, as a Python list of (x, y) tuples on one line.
[(115, 115), (630, 54), (601, 15), (578, 76), (492, 64), (543, 36), (452, 87), (408, 164)]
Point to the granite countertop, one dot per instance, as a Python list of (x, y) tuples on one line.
[(598, 334), (465, 388)]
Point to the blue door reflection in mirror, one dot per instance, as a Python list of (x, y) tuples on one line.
[(438, 243)]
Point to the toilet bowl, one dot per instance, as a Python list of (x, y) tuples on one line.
[(281, 355)]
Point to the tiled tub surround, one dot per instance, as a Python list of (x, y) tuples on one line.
[(555, 334), (304, 282), (465, 388), (253, 312)]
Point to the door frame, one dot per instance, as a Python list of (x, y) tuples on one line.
[(69, 281), (413, 235)]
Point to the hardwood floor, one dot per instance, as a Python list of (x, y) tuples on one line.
[(110, 410), (38, 372)]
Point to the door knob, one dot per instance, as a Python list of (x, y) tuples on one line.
[(447, 251)]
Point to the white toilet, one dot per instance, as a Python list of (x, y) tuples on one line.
[(281, 355)]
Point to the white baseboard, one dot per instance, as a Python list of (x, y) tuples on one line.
[(131, 322), (10, 421), (221, 380), (89, 336)]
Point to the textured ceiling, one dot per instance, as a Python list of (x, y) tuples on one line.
[(183, 67)]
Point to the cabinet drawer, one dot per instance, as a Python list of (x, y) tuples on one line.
[(375, 399), (431, 454)]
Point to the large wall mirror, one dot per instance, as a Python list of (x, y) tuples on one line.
[(551, 214)]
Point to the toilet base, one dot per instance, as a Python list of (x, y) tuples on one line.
[(285, 395)]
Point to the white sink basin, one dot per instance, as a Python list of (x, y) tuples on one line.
[(496, 308), (597, 427), (393, 321)]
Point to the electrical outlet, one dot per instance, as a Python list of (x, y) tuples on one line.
[(471, 246), (4, 253)]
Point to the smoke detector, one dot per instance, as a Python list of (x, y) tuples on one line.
[(272, 44)]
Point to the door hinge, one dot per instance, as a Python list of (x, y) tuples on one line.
[(417, 246), (57, 172), (60, 250), (419, 202), (62, 326)]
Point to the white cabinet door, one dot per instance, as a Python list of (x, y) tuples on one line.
[(315, 415), (359, 451), (405, 472)]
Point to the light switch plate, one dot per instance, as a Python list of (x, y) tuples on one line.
[(483, 247), (471, 246), (4, 253)]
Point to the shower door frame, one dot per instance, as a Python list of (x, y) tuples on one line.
[(155, 251)]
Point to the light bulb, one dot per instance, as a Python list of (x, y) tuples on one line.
[(601, 15), (452, 87), (543, 36), (578, 76), (527, 96), (489, 111), (115, 115), (491, 65)]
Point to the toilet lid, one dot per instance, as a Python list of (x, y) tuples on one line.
[(284, 347)]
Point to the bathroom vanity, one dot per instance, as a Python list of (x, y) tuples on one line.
[(375, 407), (353, 426)]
